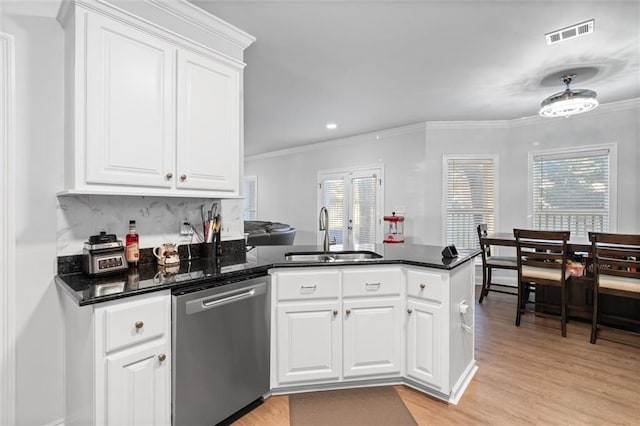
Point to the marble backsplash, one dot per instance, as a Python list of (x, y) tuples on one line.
[(157, 219)]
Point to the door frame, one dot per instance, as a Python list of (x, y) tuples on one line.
[(7, 231), (379, 168)]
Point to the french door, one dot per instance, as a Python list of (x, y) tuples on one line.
[(354, 199)]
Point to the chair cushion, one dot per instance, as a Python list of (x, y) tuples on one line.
[(619, 283), (505, 261), (533, 272)]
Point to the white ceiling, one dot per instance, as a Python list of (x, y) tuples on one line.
[(371, 65)]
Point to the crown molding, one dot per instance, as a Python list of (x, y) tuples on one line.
[(384, 133), (181, 9), (202, 19), (497, 124)]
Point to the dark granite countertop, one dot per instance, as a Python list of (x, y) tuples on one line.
[(203, 273)]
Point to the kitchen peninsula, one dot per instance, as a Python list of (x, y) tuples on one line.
[(406, 317)]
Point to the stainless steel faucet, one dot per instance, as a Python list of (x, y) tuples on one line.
[(324, 226)]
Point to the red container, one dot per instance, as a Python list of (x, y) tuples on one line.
[(394, 229)]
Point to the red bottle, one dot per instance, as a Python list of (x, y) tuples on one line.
[(132, 244)]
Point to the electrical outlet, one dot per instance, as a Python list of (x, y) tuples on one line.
[(186, 229)]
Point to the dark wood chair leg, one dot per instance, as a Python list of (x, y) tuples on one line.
[(563, 310), (594, 318), (519, 304), (483, 291)]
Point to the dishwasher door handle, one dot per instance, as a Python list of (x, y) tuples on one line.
[(210, 301), (213, 302)]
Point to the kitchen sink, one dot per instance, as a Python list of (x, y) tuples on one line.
[(336, 256)]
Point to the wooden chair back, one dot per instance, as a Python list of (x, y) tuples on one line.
[(542, 249), (616, 255), (486, 248)]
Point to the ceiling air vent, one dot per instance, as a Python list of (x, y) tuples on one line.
[(570, 32)]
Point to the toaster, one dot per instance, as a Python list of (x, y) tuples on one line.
[(103, 254)]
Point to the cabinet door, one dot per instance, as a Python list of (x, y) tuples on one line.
[(425, 343), (308, 342), (372, 337), (138, 386), (130, 111), (208, 124)]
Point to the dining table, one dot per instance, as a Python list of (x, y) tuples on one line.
[(580, 288)]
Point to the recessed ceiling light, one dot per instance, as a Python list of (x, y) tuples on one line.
[(331, 126)]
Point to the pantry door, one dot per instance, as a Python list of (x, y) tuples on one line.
[(354, 200)]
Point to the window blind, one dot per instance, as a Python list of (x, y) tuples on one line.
[(470, 199), (364, 215), (571, 192), (250, 202)]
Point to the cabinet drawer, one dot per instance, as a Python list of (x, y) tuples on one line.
[(308, 285), (128, 323), (425, 285), (371, 282)]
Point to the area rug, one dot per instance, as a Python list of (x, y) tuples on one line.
[(361, 406)]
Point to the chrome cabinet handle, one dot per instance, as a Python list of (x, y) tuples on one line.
[(162, 357), (422, 286), (335, 312), (183, 177), (372, 286), (169, 175), (409, 311), (348, 311), (139, 324), (307, 288)]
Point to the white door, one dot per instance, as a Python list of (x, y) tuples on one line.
[(372, 337), (354, 201), (308, 342), (130, 83), (138, 386), (208, 147), (425, 343)]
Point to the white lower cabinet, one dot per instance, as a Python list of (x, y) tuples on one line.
[(309, 341), (372, 337), (425, 343), (373, 325), (118, 361), (138, 386)]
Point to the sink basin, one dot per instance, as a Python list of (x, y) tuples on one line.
[(335, 256)]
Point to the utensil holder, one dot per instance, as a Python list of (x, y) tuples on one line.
[(213, 249)]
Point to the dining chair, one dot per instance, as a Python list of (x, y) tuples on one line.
[(489, 263), (542, 261), (616, 272)]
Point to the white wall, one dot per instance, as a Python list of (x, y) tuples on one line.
[(412, 157), (287, 180), (39, 133)]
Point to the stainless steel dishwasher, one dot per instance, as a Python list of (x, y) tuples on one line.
[(220, 347)]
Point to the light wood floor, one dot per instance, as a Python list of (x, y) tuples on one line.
[(527, 375)]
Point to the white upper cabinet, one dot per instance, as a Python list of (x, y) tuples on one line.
[(130, 106), (208, 134), (153, 100)]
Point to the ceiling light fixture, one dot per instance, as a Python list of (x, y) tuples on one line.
[(331, 126), (569, 102)]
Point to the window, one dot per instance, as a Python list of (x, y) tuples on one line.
[(250, 193), (469, 198), (353, 199), (571, 190)]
